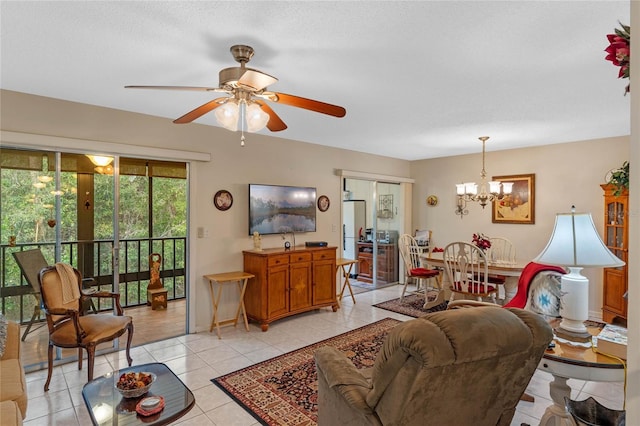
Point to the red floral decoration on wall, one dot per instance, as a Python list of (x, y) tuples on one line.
[(619, 51)]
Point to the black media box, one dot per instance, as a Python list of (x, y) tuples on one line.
[(315, 244)]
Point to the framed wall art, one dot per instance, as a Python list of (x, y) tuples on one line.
[(223, 200), (518, 207)]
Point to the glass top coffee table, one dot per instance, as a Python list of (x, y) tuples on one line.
[(107, 406)]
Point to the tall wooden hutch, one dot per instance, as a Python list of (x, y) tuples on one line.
[(616, 237)]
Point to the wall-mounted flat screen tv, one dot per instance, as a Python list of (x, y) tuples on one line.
[(274, 209)]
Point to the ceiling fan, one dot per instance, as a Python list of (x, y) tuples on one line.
[(246, 93)]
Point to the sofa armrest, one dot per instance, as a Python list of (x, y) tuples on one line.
[(12, 346), (344, 378)]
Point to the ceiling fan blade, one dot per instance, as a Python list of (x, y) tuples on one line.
[(275, 123), (200, 111), (192, 88), (310, 104), (255, 80)]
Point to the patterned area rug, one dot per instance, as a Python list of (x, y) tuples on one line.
[(411, 306), (284, 390)]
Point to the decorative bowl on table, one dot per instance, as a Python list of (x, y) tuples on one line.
[(135, 384)]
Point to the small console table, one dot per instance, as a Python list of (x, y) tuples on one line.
[(239, 277), (345, 265)]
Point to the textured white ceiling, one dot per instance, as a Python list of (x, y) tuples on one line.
[(418, 79)]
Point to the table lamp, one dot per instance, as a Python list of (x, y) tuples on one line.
[(575, 244)]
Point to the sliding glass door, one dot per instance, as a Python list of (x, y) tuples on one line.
[(105, 216), (377, 245)]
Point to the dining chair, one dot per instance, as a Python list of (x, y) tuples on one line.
[(410, 252), (468, 271), (501, 251), (62, 300)]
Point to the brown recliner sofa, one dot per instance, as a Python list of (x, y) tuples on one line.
[(13, 386), (458, 367)]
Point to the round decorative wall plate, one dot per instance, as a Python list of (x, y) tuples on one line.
[(223, 200), (432, 200), (323, 203)]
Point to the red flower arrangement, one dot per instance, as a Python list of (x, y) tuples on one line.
[(619, 51), (481, 241)]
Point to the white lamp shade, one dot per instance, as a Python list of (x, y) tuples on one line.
[(575, 242), (507, 187), (256, 118), (494, 187), (470, 188), (227, 115), (460, 188)]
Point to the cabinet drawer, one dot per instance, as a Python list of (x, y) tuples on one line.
[(300, 257), (324, 255), (279, 260)]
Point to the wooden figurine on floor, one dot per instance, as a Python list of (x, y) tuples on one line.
[(156, 293)]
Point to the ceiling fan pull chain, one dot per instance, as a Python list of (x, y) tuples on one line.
[(242, 114)]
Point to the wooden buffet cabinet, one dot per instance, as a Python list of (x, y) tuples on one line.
[(387, 262), (616, 237), (289, 282)]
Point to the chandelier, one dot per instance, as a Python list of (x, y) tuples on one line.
[(468, 191)]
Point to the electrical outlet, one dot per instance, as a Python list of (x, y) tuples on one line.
[(334, 228)]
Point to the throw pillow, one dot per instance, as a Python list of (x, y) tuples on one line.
[(544, 294), (3, 334)]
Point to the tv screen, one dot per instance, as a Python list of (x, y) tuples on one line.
[(274, 209)]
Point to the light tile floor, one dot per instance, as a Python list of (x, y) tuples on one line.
[(197, 358)]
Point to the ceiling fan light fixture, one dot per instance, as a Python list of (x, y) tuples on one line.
[(100, 160), (257, 119), (227, 115)]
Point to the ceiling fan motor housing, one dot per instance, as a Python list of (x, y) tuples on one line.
[(241, 53), (228, 77)]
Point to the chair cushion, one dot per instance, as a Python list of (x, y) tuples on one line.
[(423, 272), (474, 287), (10, 413), (14, 386), (492, 279), (497, 279), (99, 328)]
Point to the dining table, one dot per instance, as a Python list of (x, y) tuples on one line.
[(510, 270)]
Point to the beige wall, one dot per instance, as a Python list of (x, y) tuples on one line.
[(264, 159), (565, 174)]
